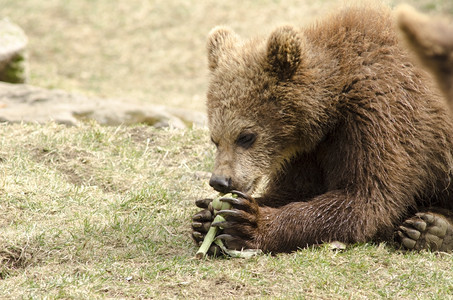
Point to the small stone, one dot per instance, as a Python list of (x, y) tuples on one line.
[(337, 245)]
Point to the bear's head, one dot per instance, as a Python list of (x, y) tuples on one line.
[(254, 107)]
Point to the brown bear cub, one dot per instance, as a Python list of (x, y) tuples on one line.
[(348, 138)]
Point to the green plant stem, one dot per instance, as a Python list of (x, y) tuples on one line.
[(212, 232)]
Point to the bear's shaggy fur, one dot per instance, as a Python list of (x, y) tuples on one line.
[(347, 135)]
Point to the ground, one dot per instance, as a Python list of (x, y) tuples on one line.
[(94, 212), (101, 212)]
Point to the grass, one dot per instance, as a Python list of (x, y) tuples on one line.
[(91, 212), (102, 212), (92, 197)]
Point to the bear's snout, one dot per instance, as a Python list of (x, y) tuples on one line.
[(220, 183)]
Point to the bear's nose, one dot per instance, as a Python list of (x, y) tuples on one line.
[(220, 183)]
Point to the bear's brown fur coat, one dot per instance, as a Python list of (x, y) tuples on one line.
[(349, 136)]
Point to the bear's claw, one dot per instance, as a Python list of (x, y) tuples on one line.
[(427, 231), (420, 225), (411, 233), (242, 195)]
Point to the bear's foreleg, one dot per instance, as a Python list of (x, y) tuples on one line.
[(333, 216)]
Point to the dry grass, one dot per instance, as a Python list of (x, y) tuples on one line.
[(96, 212), (99, 212), (81, 198)]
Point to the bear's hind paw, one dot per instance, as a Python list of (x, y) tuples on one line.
[(427, 230)]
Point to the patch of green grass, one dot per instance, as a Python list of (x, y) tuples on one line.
[(120, 227)]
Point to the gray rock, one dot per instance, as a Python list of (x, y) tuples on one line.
[(13, 57), (25, 103)]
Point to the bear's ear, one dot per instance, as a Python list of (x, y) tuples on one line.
[(284, 51), (220, 39)]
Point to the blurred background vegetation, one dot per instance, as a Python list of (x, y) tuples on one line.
[(147, 50)]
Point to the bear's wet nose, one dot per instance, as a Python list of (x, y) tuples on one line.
[(220, 183)]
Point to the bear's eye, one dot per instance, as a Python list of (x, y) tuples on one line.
[(246, 140)]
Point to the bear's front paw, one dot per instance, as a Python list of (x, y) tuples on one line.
[(201, 222), (240, 227), (427, 231)]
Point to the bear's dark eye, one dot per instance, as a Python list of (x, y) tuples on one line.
[(246, 140)]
